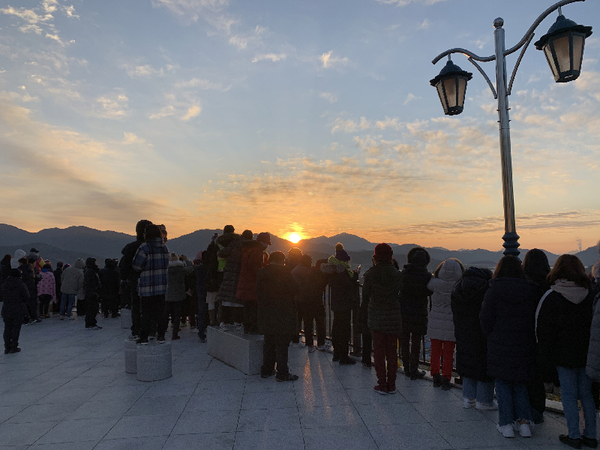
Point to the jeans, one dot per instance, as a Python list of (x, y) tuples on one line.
[(576, 385), (482, 391), (513, 402), (66, 306)]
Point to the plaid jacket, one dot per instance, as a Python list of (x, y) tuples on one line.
[(152, 260)]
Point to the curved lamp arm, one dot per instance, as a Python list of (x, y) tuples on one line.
[(525, 41)]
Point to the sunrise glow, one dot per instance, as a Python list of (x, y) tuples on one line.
[(294, 237)]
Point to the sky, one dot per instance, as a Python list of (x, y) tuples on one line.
[(313, 117)]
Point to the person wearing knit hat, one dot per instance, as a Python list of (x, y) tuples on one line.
[(380, 298), (343, 282), (414, 301)]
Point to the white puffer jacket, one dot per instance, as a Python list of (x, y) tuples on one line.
[(441, 323)]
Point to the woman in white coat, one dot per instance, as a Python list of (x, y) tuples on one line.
[(440, 329)]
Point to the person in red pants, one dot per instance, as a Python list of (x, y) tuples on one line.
[(380, 295), (441, 322)]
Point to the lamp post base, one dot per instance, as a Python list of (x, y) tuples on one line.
[(511, 244)]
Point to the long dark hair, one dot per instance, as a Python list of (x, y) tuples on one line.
[(509, 267), (536, 266), (569, 267)]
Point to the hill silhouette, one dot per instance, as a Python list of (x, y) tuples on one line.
[(68, 244)]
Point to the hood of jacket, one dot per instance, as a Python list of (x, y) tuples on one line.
[(569, 290), (80, 263), (475, 282), (450, 271), (13, 282), (176, 263)]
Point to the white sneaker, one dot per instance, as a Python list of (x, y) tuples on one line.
[(223, 327), (506, 430), (239, 327), (486, 406), (524, 429), (468, 402)]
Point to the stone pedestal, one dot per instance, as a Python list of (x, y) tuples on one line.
[(130, 356), (241, 351), (125, 318), (154, 361)]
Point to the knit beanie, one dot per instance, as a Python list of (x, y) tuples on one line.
[(340, 253)]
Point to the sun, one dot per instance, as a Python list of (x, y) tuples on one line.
[(294, 237)]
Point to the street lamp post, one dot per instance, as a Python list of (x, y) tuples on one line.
[(563, 47)]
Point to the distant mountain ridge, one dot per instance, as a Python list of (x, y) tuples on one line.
[(68, 244)]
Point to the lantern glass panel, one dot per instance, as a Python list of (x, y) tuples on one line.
[(450, 87), (578, 43), (462, 88), (551, 62), (440, 90), (563, 54)]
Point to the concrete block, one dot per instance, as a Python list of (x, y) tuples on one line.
[(125, 318), (241, 351), (130, 356), (154, 361)]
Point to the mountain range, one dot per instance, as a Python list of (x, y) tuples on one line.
[(68, 244)]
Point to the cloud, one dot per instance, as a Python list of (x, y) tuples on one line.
[(408, 2), (352, 126), (330, 62), (112, 106), (54, 37), (269, 57), (331, 98), (190, 8), (131, 138), (164, 112), (193, 111), (202, 84), (426, 24), (241, 42), (147, 71), (409, 98)]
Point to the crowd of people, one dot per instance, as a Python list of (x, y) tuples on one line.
[(506, 333)]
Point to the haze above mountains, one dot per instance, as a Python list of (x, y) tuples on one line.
[(68, 244)]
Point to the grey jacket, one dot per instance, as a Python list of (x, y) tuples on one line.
[(72, 278)]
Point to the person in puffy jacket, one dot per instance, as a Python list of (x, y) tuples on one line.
[(471, 344), (563, 330), (46, 290), (507, 319), (176, 291), (440, 329), (71, 285), (14, 307), (414, 300), (380, 294)]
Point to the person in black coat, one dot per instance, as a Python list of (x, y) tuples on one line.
[(4, 270), (471, 344), (536, 268), (91, 288), (563, 331), (508, 322), (380, 293), (343, 283), (14, 308), (414, 301), (110, 281), (57, 279), (277, 315)]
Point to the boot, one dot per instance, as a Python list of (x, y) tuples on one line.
[(14, 348), (212, 317)]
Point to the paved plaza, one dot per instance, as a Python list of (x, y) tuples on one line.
[(68, 390)]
